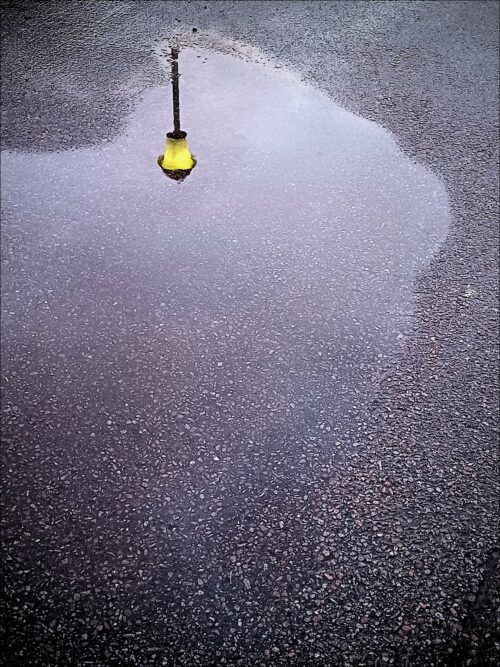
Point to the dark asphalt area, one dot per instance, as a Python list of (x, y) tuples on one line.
[(150, 519)]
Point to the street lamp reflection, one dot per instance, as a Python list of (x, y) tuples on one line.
[(177, 162)]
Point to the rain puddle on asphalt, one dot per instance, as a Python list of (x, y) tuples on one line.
[(273, 283)]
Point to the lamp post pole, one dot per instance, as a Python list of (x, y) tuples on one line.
[(175, 92)]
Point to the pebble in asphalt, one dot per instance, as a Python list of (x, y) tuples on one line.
[(267, 576)]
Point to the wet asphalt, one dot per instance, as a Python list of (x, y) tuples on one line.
[(156, 512)]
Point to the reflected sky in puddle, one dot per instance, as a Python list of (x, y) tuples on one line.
[(266, 291)]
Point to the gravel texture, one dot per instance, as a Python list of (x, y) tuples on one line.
[(145, 522)]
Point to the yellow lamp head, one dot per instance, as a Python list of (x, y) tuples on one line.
[(177, 162)]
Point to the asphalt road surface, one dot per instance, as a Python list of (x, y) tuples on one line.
[(226, 441)]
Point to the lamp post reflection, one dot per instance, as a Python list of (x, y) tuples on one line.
[(177, 162)]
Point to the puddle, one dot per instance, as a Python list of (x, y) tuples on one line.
[(278, 276)]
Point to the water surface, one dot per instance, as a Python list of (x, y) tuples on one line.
[(282, 267)]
